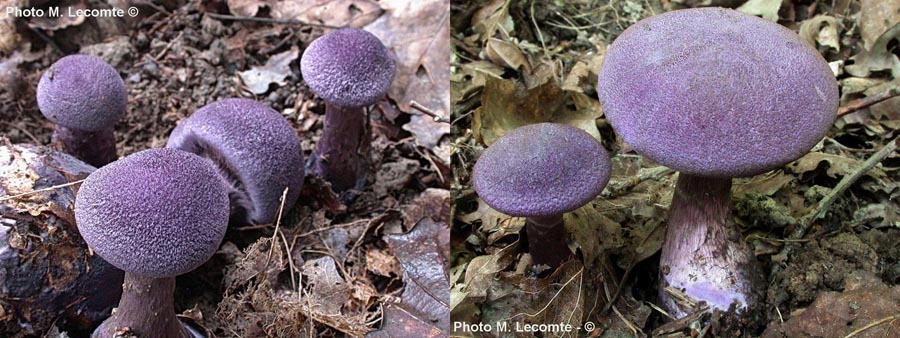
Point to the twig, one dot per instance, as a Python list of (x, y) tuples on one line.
[(168, 47), (866, 102), (681, 323), (628, 323), (6, 198), (618, 188), (48, 40), (267, 20), (429, 112), (287, 247), (873, 324), (841, 187), (23, 130), (825, 203)]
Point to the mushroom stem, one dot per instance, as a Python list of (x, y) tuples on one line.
[(340, 155), (547, 240), (703, 254), (97, 148), (146, 309)]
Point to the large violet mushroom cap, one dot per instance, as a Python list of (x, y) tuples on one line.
[(253, 146), (157, 213), (82, 92), (715, 92), (541, 170), (349, 67)]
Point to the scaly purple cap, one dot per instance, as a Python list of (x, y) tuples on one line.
[(253, 146), (349, 67), (541, 170), (82, 92), (715, 92), (156, 213)]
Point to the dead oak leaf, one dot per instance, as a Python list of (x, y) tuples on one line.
[(418, 32), (328, 291), (423, 253), (276, 69), (337, 13)]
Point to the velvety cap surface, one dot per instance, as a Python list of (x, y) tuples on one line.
[(251, 142), (348, 67), (156, 213), (541, 169), (715, 92), (82, 92)]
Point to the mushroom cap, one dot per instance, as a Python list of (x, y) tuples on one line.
[(717, 93), (348, 67), (82, 92), (156, 213), (253, 146), (541, 170)]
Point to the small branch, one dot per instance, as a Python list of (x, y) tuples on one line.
[(429, 112), (841, 187), (866, 102), (618, 188), (266, 20), (825, 203), (6, 198), (874, 324)]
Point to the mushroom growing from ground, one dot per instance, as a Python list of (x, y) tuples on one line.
[(47, 275), (255, 149), (156, 214), (349, 69), (85, 97), (714, 94), (542, 171)]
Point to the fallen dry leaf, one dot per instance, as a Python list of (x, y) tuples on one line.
[(432, 202), (491, 220), (9, 39), (423, 253), (507, 104), (875, 18), (336, 13), (327, 289), (276, 69), (418, 32), (382, 263), (865, 302), (878, 58), (823, 29), (52, 23), (490, 18), (768, 9)]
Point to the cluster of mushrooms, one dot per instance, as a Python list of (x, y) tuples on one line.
[(160, 213), (710, 92)]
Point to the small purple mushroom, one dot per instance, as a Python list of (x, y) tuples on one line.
[(85, 97), (715, 94), (542, 171), (255, 149), (350, 69), (156, 214)]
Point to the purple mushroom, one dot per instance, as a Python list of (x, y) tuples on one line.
[(715, 94), (47, 275), (255, 149), (156, 214), (85, 97), (542, 171), (349, 69)]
